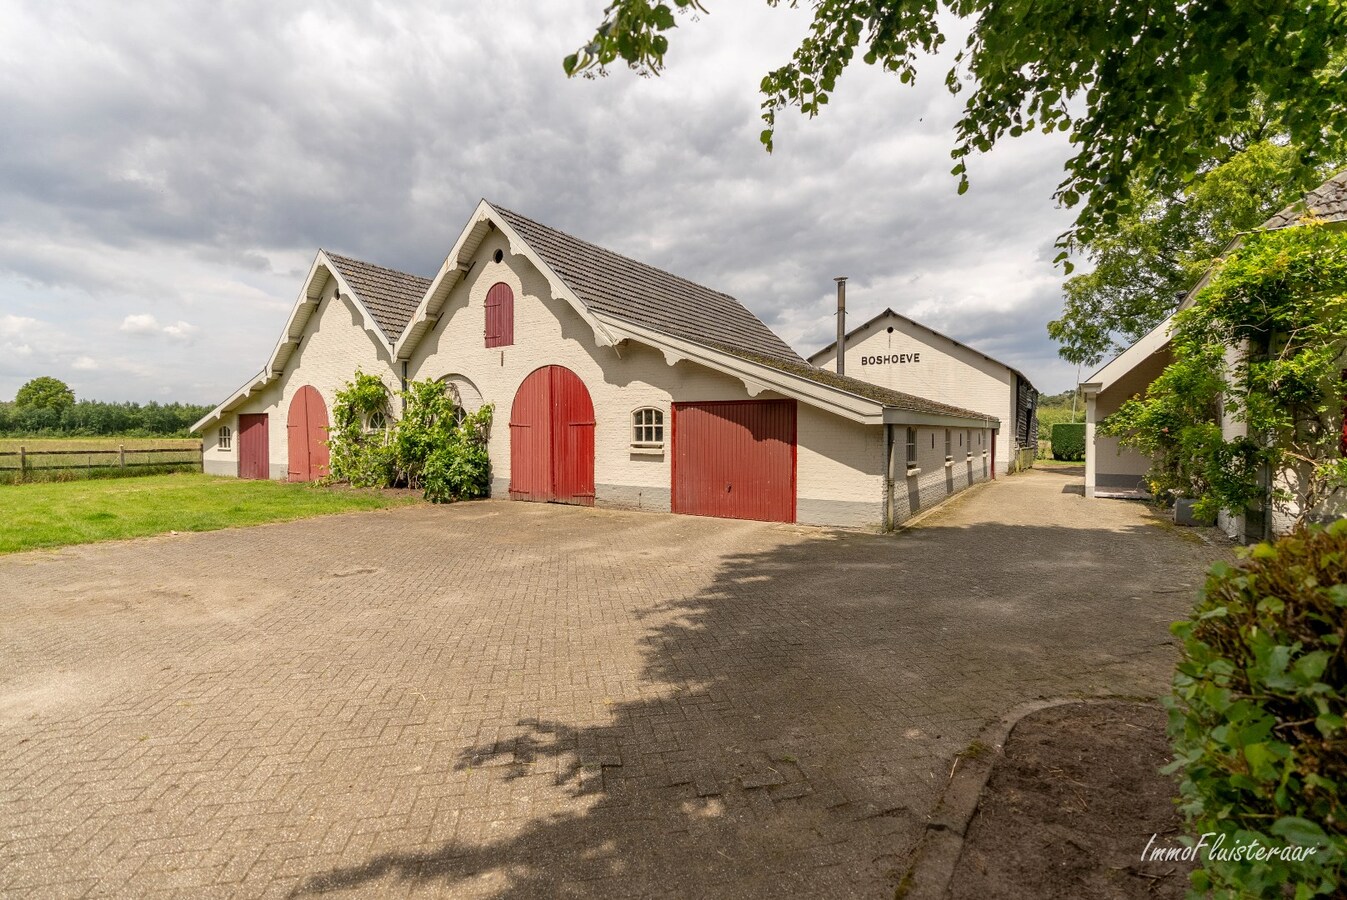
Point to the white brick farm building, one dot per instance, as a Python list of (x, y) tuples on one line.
[(898, 353), (613, 383)]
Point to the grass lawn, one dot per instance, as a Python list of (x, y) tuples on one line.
[(96, 443), (81, 512)]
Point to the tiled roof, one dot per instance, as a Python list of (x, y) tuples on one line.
[(390, 296), (890, 398), (929, 330), (642, 295), (1328, 201)]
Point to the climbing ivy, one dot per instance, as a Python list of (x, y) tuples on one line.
[(434, 447), (361, 455), (1265, 341)]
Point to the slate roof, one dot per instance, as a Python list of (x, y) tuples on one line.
[(890, 398), (1328, 201), (390, 296), (613, 285)]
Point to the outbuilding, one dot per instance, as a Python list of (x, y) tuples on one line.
[(1117, 472), (613, 383), (899, 353)]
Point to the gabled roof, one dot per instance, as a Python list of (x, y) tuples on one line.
[(890, 398), (615, 286), (889, 313), (388, 295), (1328, 202)]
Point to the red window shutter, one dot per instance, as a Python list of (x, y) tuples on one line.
[(499, 316)]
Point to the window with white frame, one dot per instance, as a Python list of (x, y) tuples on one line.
[(647, 427), (377, 421), (949, 445), (968, 442), (226, 438), (911, 448)]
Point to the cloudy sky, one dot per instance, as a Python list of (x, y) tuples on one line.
[(168, 169)]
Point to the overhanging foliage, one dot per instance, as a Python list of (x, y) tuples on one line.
[(1266, 341), (1152, 90)]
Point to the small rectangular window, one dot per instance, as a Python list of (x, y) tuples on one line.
[(226, 437), (949, 444), (911, 448), (647, 427)]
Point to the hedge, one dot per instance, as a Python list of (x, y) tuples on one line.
[(1257, 719), (1068, 441)]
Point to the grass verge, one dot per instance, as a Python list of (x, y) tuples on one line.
[(33, 516)]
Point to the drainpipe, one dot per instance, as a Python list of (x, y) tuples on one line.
[(841, 324)]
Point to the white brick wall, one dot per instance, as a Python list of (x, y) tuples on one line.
[(838, 462), (840, 465), (334, 344), (933, 367)]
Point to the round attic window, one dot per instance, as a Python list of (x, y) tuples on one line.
[(890, 329), (499, 255)]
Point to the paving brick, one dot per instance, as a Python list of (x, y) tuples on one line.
[(497, 698)]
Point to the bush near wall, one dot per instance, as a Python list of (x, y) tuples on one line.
[(432, 448), (1068, 441), (1257, 717)]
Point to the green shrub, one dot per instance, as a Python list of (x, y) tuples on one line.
[(432, 448), (1068, 441), (1257, 716), (361, 455)]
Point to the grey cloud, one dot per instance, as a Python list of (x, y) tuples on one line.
[(185, 160)]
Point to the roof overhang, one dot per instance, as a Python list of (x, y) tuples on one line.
[(321, 272), (459, 263), (888, 313), (757, 378), (1153, 342)]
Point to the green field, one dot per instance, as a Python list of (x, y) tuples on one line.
[(81, 512), (72, 459), (96, 443)]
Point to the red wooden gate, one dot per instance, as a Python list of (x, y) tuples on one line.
[(254, 447), (552, 439), (306, 434), (735, 459)]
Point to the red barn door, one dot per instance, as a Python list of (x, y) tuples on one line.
[(306, 433), (735, 459), (552, 439), (254, 447)]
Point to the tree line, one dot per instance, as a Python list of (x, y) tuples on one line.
[(47, 407)]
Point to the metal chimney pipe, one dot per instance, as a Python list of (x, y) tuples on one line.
[(841, 324)]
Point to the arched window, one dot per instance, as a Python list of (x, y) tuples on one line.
[(499, 315), (647, 427), (226, 438), (377, 421)]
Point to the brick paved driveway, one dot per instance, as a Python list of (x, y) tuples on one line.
[(510, 700)]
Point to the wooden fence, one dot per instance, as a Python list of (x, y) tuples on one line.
[(23, 463)]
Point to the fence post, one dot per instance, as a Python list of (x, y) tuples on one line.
[(121, 455), (23, 464)]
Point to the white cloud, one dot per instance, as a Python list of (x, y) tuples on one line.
[(140, 323), (84, 364), (12, 326), (183, 331)]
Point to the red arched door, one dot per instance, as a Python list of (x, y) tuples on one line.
[(306, 430), (552, 439)]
